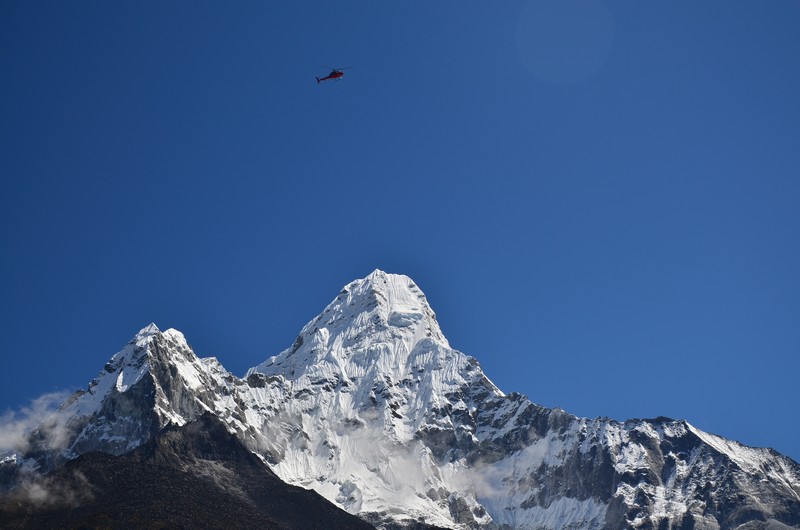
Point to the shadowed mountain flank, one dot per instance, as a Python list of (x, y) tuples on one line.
[(197, 475)]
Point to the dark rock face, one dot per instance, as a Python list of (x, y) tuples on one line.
[(649, 474), (197, 475)]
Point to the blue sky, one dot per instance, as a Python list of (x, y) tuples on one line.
[(601, 200)]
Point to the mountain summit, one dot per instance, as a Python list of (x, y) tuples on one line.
[(372, 408), (380, 319)]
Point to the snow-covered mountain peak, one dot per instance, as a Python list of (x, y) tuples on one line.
[(134, 354), (375, 321), (139, 348), (154, 380), (145, 333), (176, 336), (394, 299)]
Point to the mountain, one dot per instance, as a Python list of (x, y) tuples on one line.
[(372, 409), (197, 475)]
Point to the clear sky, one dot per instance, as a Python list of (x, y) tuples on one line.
[(600, 199)]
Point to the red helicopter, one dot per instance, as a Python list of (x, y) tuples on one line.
[(336, 73)]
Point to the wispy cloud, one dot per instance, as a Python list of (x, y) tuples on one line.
[(70, 490), (16, 425)]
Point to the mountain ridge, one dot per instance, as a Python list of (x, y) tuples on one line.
[(373, 409)]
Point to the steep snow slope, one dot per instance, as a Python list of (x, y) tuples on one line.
[(378, 413), (359, 394)]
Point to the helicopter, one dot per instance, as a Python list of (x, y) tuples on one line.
[(336, 73)]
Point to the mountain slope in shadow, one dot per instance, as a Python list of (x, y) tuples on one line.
[(197, 475)]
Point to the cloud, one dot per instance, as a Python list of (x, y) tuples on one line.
[(45, 492), (16, 426)]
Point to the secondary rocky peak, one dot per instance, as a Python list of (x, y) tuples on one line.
[(153, 381), (146, 332), (146, 343)]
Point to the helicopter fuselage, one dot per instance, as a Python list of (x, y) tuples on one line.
[(335, 74)]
